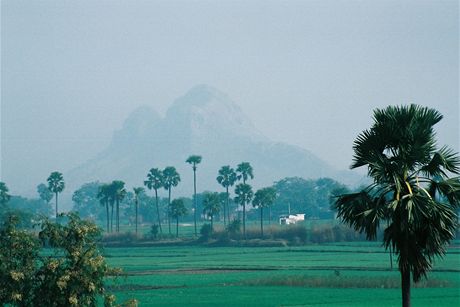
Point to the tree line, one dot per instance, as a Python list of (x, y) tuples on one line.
[(108, 203)]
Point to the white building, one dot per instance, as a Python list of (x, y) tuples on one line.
[(291, 219)]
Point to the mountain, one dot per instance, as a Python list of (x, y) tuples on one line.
[(206, 122)]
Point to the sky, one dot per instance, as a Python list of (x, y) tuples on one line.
[(308, 73)]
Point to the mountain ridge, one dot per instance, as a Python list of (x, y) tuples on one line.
[(206, 122)]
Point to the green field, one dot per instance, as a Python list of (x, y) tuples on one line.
[(347, 274)]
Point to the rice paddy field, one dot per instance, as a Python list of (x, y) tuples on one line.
[(341, 274)]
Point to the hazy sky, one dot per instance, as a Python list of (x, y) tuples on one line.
[(307, 73)]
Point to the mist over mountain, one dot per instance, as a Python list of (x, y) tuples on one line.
[(206, 122)]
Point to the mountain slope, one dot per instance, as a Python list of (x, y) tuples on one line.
[(207, 122)]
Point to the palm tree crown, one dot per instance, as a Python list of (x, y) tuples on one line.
[(211, 205), (411, 189), (194, 160), (171, 177), (227, 176), (56, 182), (245, 171)]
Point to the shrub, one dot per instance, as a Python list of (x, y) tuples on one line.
[(72, 275), (206, 232), (234, 227)]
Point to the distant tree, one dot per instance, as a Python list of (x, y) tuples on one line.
[(194, 160), (56, 185), (137, 192), (118, 194), (211, 206), (226, 178), (44, 193), (104, 196), (155, 181), (244, 196), (411, 192), (4, 196), (171, 179), (86, 201), (263, 198), (177, 209), (244, 171)]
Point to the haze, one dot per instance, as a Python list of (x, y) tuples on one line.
[(308, 73)]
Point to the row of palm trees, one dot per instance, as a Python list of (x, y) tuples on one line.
[(227, 177)]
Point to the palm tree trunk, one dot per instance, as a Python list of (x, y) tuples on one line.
[(225, 216), (194, 196), (111, 220), (177, 227), (158, 211), (228, 206), (212, 223), (262, 221), (136, 215), (118, 216), (108, 216), (405, 287), (169, 207), (244, 219), (56, 204), (269, 215)]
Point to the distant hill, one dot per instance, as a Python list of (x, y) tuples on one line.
[(206, 122)]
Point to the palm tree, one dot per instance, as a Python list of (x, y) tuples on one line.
[(4, 196), (244, 196), (263, 198), (104, 195), (211, 206), (226, 178), (137, 191), (56, 185), (194, 160), (244, 171), (155, 181), (171, 179), (412, 195), (176, 210), (118, 194)]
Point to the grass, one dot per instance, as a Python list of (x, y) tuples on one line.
[(346, 274)]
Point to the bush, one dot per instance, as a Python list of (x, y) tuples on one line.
[(206, 232), (73, 275), (234, 227), (154, 231)]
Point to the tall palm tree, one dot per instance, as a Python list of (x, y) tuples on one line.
[(119, 193), (244, 196), (211, 206), (226, 178), (194, 160), (263, 198), (176, 210), (104, 195), (244, 171), (4, 196), (56, 185), (155, 181), (171, 179), (412, 195), (137, 191)]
